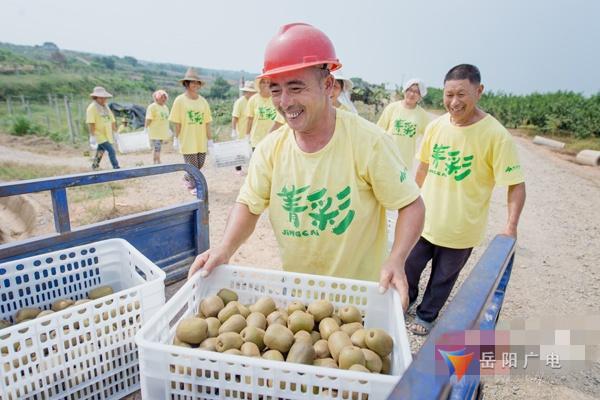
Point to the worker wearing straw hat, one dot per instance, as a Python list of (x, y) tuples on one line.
[(405, 120), (263, 117), (326, 177), (157, 122), (342, 90), (191, 117), (239, 115), (101, 123)]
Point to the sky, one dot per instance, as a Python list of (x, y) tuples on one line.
[(520, 46)]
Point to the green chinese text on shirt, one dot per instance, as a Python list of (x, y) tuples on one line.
[(164, 115), (195, 117), (512, 168), (405, 128), (322, 211), (267, 113), (449, 163)]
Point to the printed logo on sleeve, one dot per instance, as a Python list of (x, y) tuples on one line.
[(512, 168), (450, 163), (404, 128), (324, 211)]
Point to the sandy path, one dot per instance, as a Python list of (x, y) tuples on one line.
[(556, 268)]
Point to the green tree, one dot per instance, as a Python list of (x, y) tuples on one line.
[(219, 89)]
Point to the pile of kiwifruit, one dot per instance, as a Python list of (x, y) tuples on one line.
[(316, 334), (29, 313)]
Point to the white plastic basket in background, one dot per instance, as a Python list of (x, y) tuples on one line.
[(172, 372), (231, 153), (131, 142), (84, 351)]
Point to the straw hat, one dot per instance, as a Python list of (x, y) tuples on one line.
[(99, 91), (248, 87), (348, 85), (191, 75)]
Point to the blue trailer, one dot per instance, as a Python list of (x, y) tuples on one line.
[(172, 236)]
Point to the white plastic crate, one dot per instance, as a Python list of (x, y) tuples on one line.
[(172, 372), (131, 142), (85, 351), (231, 153)]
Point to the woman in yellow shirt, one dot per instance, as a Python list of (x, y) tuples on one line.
[(342, 89), (191, 117), (157, 122), (101, 123), (263, 117)]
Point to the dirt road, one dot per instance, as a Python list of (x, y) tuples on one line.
[(556, 268)]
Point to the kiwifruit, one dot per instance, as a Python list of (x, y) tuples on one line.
[(210, 306), (379, 341), (250, 349), (386, 365), (320, 309), (349, 356), (359, 368), (213, 325), (228, 311), (264, 305), (301, 321), (372, 361), (244, 310), (46, 312), (274, 355), (325, 362), (26, 313), (227, 295), (229, 340), (61, 304), (277, 317), (257, 320), (350, 314), (209, 344), (235, 323), (358, 338), (315, 336), (254, 335), (236, 352), (279, 337), (4, 323), (337, 319), (302, 335), (179, 343), (351, 327), (336, 342), (100, 291), (301, 352), (327, 326), (192, 330), (295, 306), (321, 349)]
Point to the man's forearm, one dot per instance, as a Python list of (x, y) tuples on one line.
[(408, 229), (515, 202)]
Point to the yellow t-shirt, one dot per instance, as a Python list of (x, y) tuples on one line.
[(240, 112), (265, 115), (158, 128), (405, 126), (464, 165), (193, 115), (102, 118), (327, 208)]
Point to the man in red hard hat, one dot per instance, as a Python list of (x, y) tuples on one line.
[(327, 177)]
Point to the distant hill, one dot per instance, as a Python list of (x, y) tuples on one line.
[(36, 71)]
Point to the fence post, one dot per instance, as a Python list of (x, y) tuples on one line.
[(57, 110), (69, 120), (28, 109), (48, 122), (9, 104), (23, 102)]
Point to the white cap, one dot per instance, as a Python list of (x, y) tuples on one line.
[(419, 83)]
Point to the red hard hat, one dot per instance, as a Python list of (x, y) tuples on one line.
[(298, 46)]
